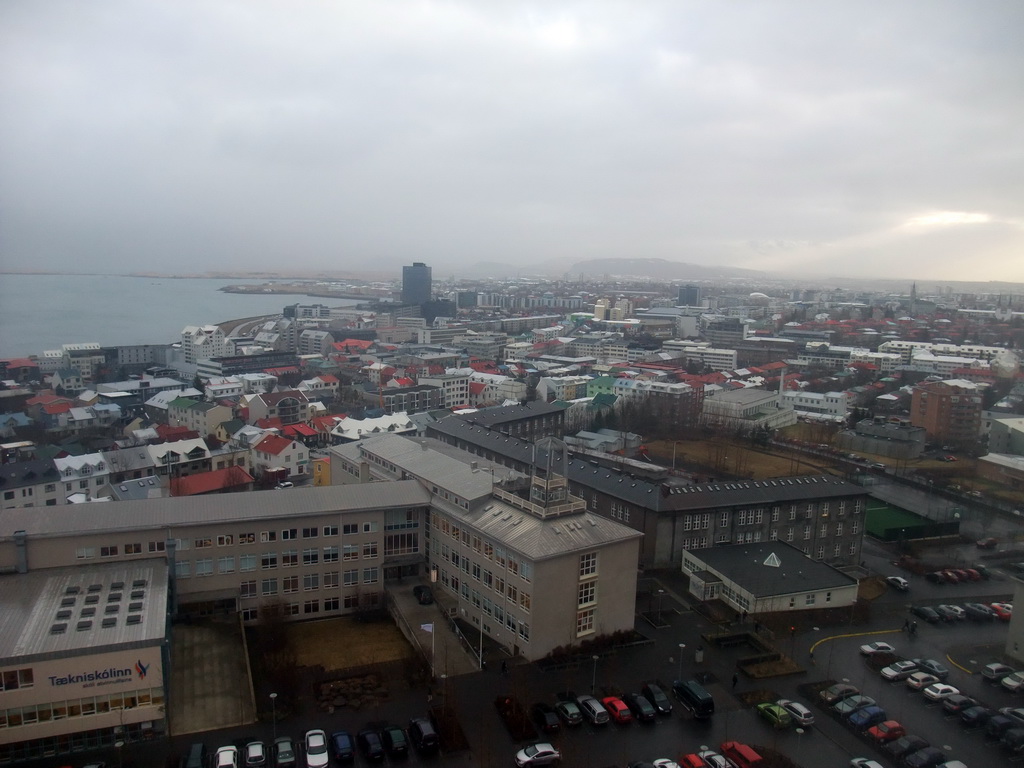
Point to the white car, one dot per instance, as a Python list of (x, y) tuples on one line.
[(316, 749), (226, 757), (1013, 682), (864, 762), (940, 691), (879, 647), (898, 583), (899, 670), (714, 760), (920, 680), (801, 715), (537, 754), (664, 762)]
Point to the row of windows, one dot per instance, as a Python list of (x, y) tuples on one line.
[(347, 602), (309, 582), (496, 554), (13, 679), (84, 707)]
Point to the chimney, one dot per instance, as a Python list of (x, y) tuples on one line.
[(21, 551)]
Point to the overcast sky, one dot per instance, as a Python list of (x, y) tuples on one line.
[(854, 138)]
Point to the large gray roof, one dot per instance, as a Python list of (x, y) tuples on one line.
[(506, 414), (657, 496), (35, 604), (745, 565), (155, 514), (538, 538)]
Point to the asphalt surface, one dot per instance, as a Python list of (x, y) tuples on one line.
[(964, 647)]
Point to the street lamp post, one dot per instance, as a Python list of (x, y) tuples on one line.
[(273, 715), (119, 745), (682, 647), (661, 594), (593, 679)]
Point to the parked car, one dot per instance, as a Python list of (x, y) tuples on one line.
[(1014, 713), (255, 754), (852, 704), (1013, 682), (617, 709), (1013, 740), (568, 712), (955, 611), (284, 752), (1003, 611), (537, 754), (775, 715), (226, 757), (546, 718), (342, 747), (898, 583), (933, 667), (925, 613), (979, 612), (864, 762), (658, 698), (921, 680), (423, 736), (878, 647), (976, 716), (837, 692), (998, 724), (801, 715), (996, 671), (988, 543), (904, 746), (423, 594), (929, 757), (946, 615), (396, 743), (592, 710), (370, 744), (714, 760), (316, 749), (957, 703), (935, 577), (940, 691), (866, 717), (885, 731), (641, 708), (899, 670)]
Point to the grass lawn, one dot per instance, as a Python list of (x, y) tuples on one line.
[(343, 643)]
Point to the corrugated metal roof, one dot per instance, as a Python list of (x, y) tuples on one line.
[(71, 611), (222, 508)]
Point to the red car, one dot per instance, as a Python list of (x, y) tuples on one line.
[(617, 709), (886, 731), (1004, 611), (989, 543)]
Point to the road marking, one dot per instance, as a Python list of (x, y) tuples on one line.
[(856, 634), (958, 666)]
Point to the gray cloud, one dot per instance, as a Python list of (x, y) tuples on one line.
[(186, 136)]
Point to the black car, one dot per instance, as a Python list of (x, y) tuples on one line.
[(284, 752), (641, 708), (946, 614), (957, 703), (659, 700), (928, 757), (546, 718), (975, 717), (926, 613), (423, 594), (396, 743), (997, 725), (905, 745), (423, 736), (341, 746), (370, 744)]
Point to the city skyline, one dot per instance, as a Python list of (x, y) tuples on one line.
[(857, 140)]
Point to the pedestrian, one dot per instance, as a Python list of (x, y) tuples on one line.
[(913, 627), (735, 680), (504, 667), (906, 624)]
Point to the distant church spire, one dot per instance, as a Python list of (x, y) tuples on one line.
[(913, 299)]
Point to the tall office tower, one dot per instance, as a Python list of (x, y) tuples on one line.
[(416, 283), (689, 296)]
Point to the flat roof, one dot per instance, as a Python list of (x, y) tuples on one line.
[(770, 568), (74, 611), (165, 513)]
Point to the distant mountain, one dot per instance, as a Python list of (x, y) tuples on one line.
[(659, 269)]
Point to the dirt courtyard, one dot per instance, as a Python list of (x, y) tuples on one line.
[(344, 643)]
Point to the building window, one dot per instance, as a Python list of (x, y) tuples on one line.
[(268, 536), (369, 550), (370, 527), (85, 553), (133, 549), (370, 575), (809, 599), (108, 551), (584, 622), (331, 579), (248, 588), (330, 530), (290, 584), (351, 577), (268, 587), (350, 551), (204, 567), (247, 563), (290, 558), (310, 581), (310, 556), (156, 546), (331, 554), (587, 594), (183, 569), (225, 540), (289, 534), (247, 538), (588, 565), (225, 565), (807, 532), (350, 601), (311, 533), (203, 543), (821, 553), (13, 679), (331, 604), (401, 544), (250, 614), (348, 529), (268, 560)]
